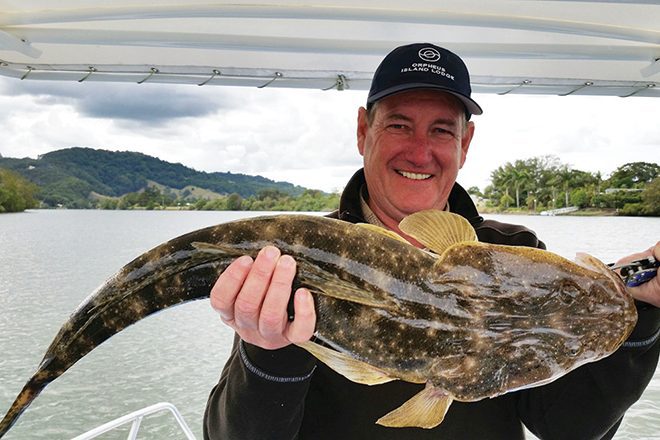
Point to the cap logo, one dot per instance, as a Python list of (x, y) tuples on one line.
[(429, 54)]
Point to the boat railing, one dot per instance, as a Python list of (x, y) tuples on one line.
[(135, 418)]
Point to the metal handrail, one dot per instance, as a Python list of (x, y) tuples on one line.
[(136, 418)]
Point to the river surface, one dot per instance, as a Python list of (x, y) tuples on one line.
[(50, 261)]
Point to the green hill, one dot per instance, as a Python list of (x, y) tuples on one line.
[(70, 177)]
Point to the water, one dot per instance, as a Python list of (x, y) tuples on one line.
[(51, 260)]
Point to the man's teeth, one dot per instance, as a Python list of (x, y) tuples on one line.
[(414, 176)]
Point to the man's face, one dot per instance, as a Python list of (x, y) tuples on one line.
[(412, 150)]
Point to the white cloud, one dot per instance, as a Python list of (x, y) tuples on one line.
[(307, 137)]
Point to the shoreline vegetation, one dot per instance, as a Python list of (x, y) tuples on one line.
[(580, 213), (536, 186), (586, 212), (16, 193)]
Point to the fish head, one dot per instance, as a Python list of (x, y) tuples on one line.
[(532, 316), (588, 315), (611, 299)]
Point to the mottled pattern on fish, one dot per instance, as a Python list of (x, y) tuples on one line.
[(496, 319), (176, 272), (488, 320)]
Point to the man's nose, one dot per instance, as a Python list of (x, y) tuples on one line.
[(418, 151)]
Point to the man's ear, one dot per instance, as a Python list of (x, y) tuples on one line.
[(465, 141), (362, 125)]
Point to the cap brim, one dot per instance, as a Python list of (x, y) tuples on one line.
[(470, 105)]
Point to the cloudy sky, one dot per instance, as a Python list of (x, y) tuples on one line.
[(306, 136)]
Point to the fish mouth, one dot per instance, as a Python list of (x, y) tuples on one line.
[(414, 176)]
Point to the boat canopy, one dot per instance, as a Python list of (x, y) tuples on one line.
[(560, 47)]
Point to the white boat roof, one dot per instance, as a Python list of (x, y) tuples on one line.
[(557, 47)]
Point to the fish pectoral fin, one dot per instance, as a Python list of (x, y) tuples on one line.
[(438, 230), (591, 263), (382, 231), (353, 369), (327, 284), (594, 264), (425, 409)]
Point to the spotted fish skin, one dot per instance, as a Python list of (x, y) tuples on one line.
[(479, 321), (180, 270), (486, 320)]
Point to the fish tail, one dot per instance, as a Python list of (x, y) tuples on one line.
[(29, 392), (175, 272)]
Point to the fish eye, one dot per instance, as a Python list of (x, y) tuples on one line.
[(568, 291), (573, 349)]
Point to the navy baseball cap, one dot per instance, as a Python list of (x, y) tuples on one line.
[(423, 66)]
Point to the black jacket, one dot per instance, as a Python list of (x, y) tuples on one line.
[(285, 394)]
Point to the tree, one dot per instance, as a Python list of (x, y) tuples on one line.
[(651, 198), (580, 198), (541, 182), (524, 178), (271, 193), (475, 191), (634, 175), (234, 202), (16, 193), (514, 176), (506, 200)]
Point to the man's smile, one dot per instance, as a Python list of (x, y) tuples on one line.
[(414, 176)]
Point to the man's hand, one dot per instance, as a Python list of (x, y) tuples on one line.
[(648, 292), (252, 298)]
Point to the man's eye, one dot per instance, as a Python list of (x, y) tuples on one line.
[(397, 126), (443, 131)]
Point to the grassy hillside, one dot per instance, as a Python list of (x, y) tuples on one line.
[(71, 176)]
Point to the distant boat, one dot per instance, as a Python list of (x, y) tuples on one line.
[(560, 211)]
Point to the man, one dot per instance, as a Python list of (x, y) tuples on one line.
[(414, 136)]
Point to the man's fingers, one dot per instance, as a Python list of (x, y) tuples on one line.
[(273, 316), (227, 287), (248, 303), (302, 327), (652, 251), (252, 298), (648, 292)]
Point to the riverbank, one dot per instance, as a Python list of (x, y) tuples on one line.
[(586, 212)]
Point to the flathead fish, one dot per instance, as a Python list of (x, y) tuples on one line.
[(470, 320)]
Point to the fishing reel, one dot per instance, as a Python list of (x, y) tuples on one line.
[(637, 272)]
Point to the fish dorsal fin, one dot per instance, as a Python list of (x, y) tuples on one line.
[(353, 369), (438, 230), (382, 231), (425, 409)]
